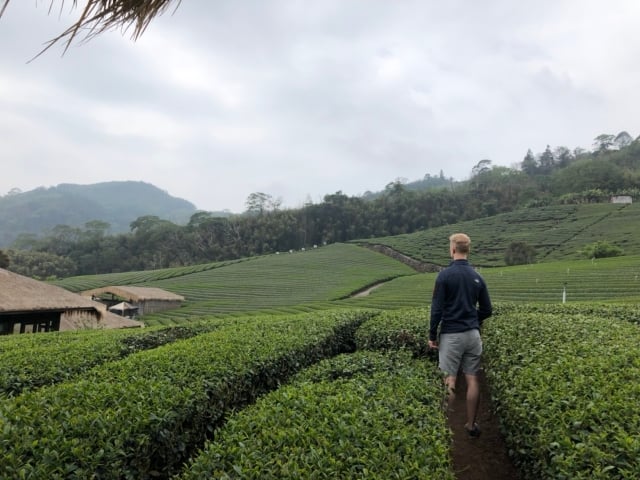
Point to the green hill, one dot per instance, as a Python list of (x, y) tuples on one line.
[(556, 232), (117, 203), (284, 283), (330, 277)]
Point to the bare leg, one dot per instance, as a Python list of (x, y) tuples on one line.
[(450, 382), (473, 399)]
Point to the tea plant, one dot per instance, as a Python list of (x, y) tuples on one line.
[(565, 387), (364, 415), (31, 361), (140, 417)]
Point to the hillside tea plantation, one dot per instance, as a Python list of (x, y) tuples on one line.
[(314, 365), (284, 283), (346, 393), (557, 232), (328, 278), (142, 416)]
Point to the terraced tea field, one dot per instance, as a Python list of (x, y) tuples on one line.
[(329, 276), (286, 283), (344, 388), (557, 232)]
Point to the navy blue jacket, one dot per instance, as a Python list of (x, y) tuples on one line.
[(460, 300)]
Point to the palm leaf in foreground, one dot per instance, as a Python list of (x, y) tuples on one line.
[(98, 16)]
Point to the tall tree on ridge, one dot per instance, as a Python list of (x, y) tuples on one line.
[(529, 164), (4, 260)]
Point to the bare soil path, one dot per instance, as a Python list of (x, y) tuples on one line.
[(483, 458)]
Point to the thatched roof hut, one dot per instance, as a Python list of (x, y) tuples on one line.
[(27, 305), (146, 299)]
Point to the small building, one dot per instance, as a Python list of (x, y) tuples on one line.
[(124, 309), (29, 306), (145, 299), (621, 199)]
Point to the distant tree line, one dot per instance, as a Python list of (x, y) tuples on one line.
[(554, 176)]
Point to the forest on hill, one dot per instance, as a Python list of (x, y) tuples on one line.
[(553, 177), (115, 203)]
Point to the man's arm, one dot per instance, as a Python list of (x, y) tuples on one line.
[(485, 309), (436, 310)]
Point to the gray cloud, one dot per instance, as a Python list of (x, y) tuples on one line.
[(301, 99)]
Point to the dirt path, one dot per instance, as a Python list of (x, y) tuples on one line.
[(483, 458), (367, 291)]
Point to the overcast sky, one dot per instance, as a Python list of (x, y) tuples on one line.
[(299, 99)]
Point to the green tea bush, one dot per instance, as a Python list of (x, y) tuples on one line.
[(394, 329), (365, 415), (32, 361), (565, 386), (628, 312), (142, 416)]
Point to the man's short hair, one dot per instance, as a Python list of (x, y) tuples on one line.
[(461, 241)]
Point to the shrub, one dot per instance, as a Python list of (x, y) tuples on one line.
[(519, 253), (141, 417), (565, 387), (601, 249), (363, 415)]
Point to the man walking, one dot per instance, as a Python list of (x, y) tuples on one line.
[(459, 305)]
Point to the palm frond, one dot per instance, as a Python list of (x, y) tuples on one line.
[(98, 16)]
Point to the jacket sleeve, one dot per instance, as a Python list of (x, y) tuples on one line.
[(485, 309)]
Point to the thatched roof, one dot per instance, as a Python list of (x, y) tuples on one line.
[(106, 320), (98, 16), (122, 307), (19, 293), (135, 294)]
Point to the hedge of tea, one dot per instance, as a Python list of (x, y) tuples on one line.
[(363, 415), (31, 361), (140, 417), (396, 329), (566, 387), (625, 312)]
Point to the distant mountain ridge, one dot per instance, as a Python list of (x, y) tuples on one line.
[(117, 203)]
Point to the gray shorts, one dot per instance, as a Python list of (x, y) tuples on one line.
[(462, 349)]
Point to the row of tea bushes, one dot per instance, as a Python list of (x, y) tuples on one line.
[(364, 415), (566, 388), (394, 329), (142, 416), (89, 282), (629, 312), (32, 361)]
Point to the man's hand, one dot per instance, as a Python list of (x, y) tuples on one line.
[(433, 344)]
